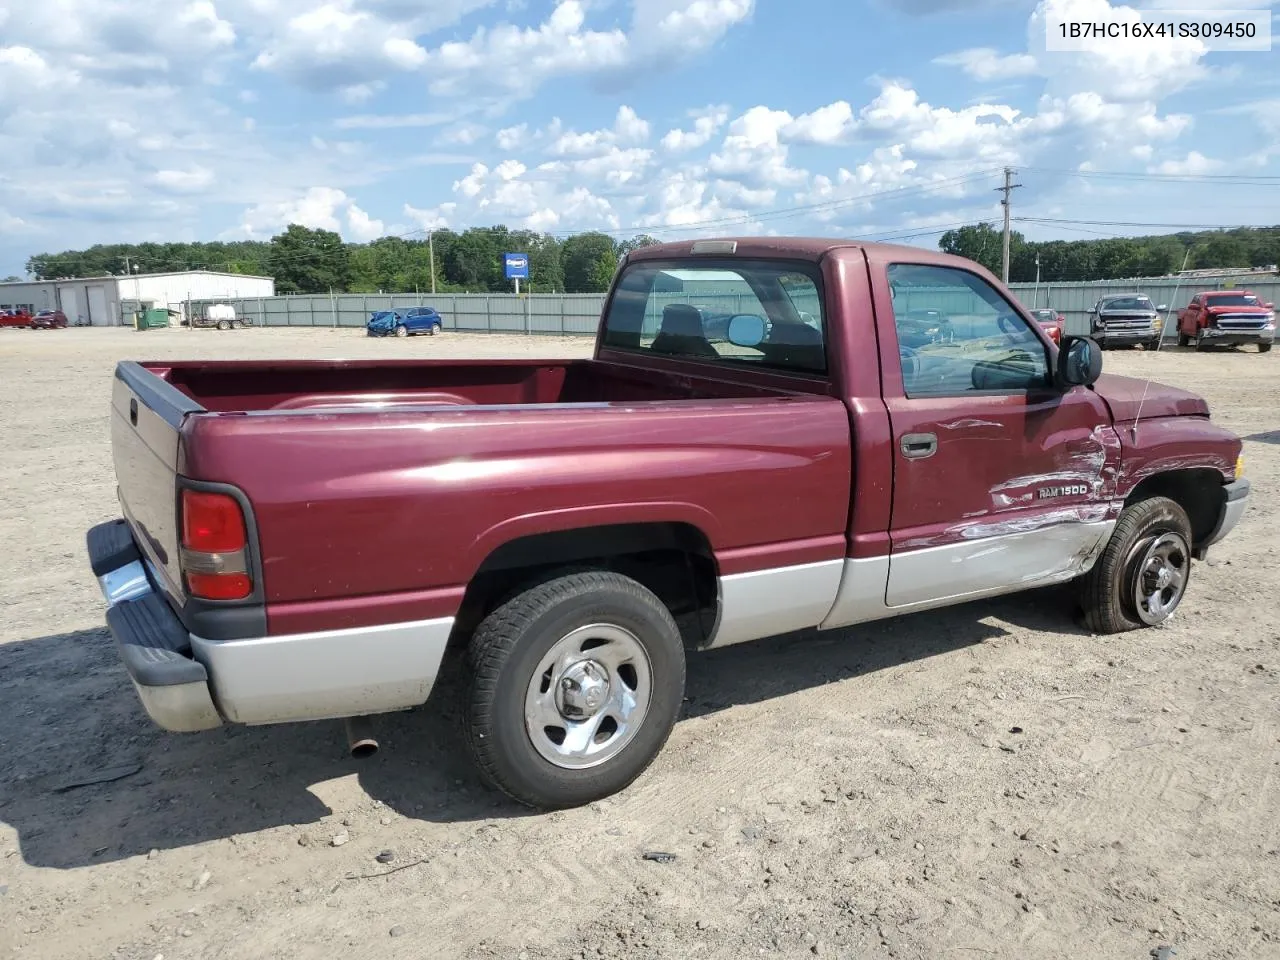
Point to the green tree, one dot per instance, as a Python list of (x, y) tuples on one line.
[(304, 260), (981, 243), (590, 260), (12, 278)]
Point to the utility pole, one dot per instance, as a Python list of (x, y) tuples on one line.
[(1008, 188), (1035, 298), (431, 250)]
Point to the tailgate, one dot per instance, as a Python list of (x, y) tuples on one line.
[(146, 421)]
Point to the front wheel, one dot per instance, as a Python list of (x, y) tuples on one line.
[(1264, 348), (1144, 570), (224, 324), (574, 686), (402, 331)]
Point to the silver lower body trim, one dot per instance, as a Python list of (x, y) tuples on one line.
[(326, 675), (765, 603)]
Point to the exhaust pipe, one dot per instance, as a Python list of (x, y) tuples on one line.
[(360, 739)]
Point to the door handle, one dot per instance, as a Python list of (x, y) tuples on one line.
[(917, 446)]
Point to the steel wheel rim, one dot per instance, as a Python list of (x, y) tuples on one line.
[(1160, 578), (589, 696)]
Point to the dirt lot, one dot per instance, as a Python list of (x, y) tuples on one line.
[(987, 781)]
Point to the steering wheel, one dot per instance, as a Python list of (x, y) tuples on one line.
[(1010, 325)]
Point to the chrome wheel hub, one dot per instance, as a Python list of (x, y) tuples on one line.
[(588, 696), (582, 690), (1160, 577)]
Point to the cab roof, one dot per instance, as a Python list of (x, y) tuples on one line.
[(791, 248)]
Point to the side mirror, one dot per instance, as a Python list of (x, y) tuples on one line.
[(746, 330), (1079, 362), (1162, 308), (1268, 306)]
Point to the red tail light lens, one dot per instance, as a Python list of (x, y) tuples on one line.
[(220, 586), (214, 547), (212, 523)]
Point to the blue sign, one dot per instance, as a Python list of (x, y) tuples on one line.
[(516, 266)]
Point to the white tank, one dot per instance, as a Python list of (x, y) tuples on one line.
[(220, 311)]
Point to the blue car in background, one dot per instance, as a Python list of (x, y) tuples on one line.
[(403, 323)]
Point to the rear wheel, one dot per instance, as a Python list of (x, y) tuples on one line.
[(575, 684), (432, 330), (237, 324), (224, 324), (1144, 570)]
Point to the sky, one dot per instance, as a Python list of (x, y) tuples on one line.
[(178, 120)]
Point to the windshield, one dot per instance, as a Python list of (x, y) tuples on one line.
[(1128, 303), (1232, 300), (383, 315), (683, 309)]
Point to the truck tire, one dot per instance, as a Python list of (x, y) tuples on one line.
[(402, 331), (574, 685), (1264, 348), (224, 324), (1144, 570), (1202, 343), (237, 324)]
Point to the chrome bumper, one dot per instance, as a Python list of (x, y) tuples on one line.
[(188, 683)]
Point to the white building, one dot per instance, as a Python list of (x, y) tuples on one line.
[(111, 301)]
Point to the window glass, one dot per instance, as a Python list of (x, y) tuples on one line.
[(683, 309), (957, 334)]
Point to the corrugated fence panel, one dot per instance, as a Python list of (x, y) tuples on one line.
[(579, 313)]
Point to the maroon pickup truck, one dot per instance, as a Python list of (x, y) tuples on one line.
[(306, 540)]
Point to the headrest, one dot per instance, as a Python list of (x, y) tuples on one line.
[(681, 320)]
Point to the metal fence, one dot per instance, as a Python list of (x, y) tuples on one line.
[(578, 314), (567, 314)]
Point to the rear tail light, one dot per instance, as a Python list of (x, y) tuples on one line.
[(214, 546)]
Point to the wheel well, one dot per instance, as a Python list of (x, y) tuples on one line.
[(1198, 492), (674, 560)]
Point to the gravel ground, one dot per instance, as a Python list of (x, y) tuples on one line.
[(985, 781)]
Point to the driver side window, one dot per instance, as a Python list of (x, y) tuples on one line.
[(958, 335)]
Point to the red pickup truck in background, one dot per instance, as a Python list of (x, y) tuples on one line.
[(306, 540), (15, 318), (1220, 318)]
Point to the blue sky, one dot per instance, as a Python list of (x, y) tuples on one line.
[(132, 120)]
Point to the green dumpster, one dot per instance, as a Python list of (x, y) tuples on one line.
[(151, 319)]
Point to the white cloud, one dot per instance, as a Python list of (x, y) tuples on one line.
[(195, 180), (369, 121), (512, 138), (986, 63), (464, 133), (827, 125), (361, 227), (706, 124), (434, 218), (1195, 163), (320, 208), (752, 151), (627, 128)]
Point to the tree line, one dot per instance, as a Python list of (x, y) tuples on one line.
[(1115, 258), (306, 260)]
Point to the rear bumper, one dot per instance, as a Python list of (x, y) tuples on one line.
[(188, 683), (1235, 497)]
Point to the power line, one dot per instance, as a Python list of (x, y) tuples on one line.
[(1226, 179), (1152, 226)]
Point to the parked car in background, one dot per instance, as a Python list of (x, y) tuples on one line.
[(1051, 321), (15, 318), (1227, 318), (405, 323), (49, 320), (1126, 320), (314, 539)]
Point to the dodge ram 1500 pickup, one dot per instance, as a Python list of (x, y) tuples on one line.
[(304, 540)]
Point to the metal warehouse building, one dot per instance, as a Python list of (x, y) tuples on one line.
[(111, 301)]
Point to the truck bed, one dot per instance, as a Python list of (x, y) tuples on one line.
[(377, 489), (314, 385)]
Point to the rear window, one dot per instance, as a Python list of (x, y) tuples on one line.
[(683, 309), (1232, 300)]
